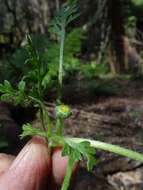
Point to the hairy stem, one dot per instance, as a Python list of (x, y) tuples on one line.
[(111, 148), (61, 62)]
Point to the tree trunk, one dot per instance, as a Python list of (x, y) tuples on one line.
[(117, 54)]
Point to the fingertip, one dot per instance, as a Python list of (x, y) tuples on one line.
[(31, 167), (59, 164)]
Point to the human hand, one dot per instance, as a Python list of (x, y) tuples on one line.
[(33, 168)]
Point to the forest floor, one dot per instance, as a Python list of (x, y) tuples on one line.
[(116, 119)]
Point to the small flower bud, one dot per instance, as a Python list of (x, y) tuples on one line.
[(63, 111)]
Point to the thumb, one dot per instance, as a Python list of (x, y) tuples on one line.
[(30, 169)]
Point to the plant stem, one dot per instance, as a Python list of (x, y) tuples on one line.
[(45, 119), (111, 148), (61, 62), (68, 175), (42, 119), (46, 122), (59, 126), (39, 79)]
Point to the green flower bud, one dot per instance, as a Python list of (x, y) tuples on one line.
[(63, 111)]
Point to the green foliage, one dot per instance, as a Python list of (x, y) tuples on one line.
[(136, 8), (13, 66), (137, 2), (93, 70), (73, 42), (72, 49), (130, 26), (33, 83), (65, 16), (40, 42), (48, 50), (28, 130), (77, 151), (12, 95)]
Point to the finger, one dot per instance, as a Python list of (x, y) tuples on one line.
[(30, 169), (5, 162), (59, 165)]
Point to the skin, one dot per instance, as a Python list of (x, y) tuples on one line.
[(33, 168)]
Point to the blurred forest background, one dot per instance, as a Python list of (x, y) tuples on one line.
[(107, 38)]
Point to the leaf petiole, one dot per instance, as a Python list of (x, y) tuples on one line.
[(111, 148)]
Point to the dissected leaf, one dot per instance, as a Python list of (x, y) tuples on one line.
[(28, 130), (46, 80), (6, 98), (66, 15), (21, 85), (6, 87), (81, 150), (91, 161), (13, 95)]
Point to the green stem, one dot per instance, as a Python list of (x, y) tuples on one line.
[(39, 75), (42, 118), (45, 119), (112, 148), (61, 62), (59, 126), (46, 122), (68, 175)]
